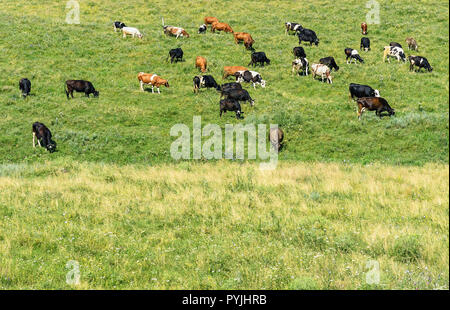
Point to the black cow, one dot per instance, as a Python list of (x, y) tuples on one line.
[(44, 137), (25, 87), (353, 55), (365, 44), (80, 86), (118, 25), (395, 44), (175, 54), (259, 57), (205, 81), (377, 104), (202, 29), (330, 63), (420, 62), (239, 95), (360, 91), (231, 105), (307, 35), (229, 86), (299, 52)]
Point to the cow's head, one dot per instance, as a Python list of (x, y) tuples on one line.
[(316, 41), (51, 147), (166, 84), (263, 83), (96, 93), (391, 112), (377, 93)]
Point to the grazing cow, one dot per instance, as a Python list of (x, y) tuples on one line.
[(221, 27), (43, 136), (210, 20), (300, 63), (202, 29), (80, 86), (420, 62), (250, 76), (365, 43), (360, 91), (276, 136), (259, 57), (292, 27), (307, 35), (329, 62), (118, 25), (299, 52), (131, 31), (353, 55), (25, 87), (231, 105), (412, 44), (151, 79), (175, 54), (231, 70), (377, 104), (205, 81), (239, 95), (323, 71), (175, 31), (229, 86), (364, 28), (394, 51), (395, 44), (201, 63), (245, 37)]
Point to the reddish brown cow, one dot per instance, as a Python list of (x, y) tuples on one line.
[(221, 27), (151, 79), (231, 70), (210, 20), (377, 104), (200, 62), (363, 28), (244, 36)]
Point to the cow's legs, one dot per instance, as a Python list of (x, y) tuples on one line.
[(152, 90), (141, 85), (34, 142), (158, 90)]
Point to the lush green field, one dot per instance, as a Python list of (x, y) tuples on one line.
[(345, 193)]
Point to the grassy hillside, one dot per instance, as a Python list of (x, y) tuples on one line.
[(224, 226), (128, 126)]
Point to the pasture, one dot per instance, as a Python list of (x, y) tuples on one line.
[(112, 198)]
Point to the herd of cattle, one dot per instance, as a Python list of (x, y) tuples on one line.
[(366, 97)]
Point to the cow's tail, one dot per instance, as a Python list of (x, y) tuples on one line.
[(162, 21)]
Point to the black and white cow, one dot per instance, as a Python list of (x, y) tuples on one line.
[(202, 29), (205, 81), (360, 91), (118, 25), (25, 87), (353, 55), (250, 76), (394, 51), (365, 44), (259, 57), (420, 62), (43, 136), (239, 95), (300, 64), (175, 54), (330, 63), (231, 105), (307, 35), (299, 52), (292, 27)]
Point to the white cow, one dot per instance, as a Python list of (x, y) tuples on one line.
[(131, 31), (322, 70), (394, 51)]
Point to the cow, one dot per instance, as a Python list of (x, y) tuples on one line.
[(353, 55), (360, 91), (393, 51), (259, 57), (364, 28), (231, 105), (118, 25), (245, 37), (43, 136), (377, 104), (420, 62), (80, 86), (205, 81), (175, 31), (131, 31), (175, 54), (412, 44), (25, 87), (292, 27), (231, 70), (365, 43), (151, 79), (224, 88), (210, 20), (276, 136), (395, 44), (250, 76), (299, 52), (221, 27), (307, 35), (300, 63), (201, 63), (202, 29), (323, 71), (239, 95), (330, 63)]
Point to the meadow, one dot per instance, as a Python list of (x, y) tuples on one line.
[(345, 193)]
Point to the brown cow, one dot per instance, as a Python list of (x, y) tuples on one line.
[(200, 62), (231, 70), (175, 31), (221, 27), (151, 79), (276, 136), (377, 104), (363, 28), (210, 20), (244, 36), (412, 44)]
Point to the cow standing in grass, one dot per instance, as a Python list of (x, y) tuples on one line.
[(43, 136), (376, 104)]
